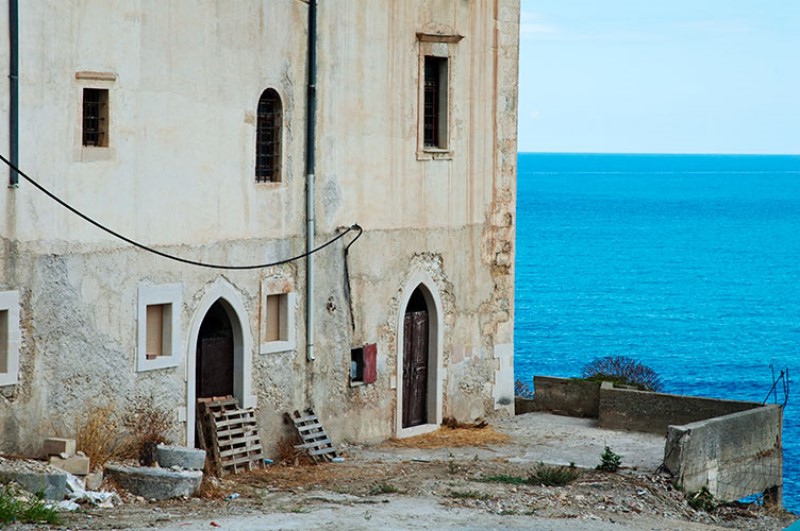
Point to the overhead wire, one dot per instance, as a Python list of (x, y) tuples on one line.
[(169, 256)]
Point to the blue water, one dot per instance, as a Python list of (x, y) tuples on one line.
[(688, 263)]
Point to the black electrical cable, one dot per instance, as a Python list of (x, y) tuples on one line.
[(167, 255)]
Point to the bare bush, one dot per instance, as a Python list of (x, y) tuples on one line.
[(149, 425), (625, 371), (99, 435)]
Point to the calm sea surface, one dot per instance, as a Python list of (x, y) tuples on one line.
[(688, 263)]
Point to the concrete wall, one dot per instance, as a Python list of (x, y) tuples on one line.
[(566, 396), (179, 174), (623, 409), (733, 456)]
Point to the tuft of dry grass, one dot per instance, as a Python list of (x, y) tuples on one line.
[(287, 454), (99, 435), (452, 438), (148, 425)]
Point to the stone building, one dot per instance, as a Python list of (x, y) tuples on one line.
[(183, 126)]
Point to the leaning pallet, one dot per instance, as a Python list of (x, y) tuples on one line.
[(229, 436), (312, 435)]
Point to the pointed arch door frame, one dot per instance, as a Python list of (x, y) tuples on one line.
[(435, 366), (224, 292)]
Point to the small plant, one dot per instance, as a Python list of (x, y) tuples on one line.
[(383, 488), (624, 371), (16, 508), (609, 461), (702, 500), (451, 464), (98, 435), (468, 495), (149, 426), (554, 476), (522, 389)]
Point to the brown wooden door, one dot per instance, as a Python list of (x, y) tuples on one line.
[(214, 367), (415, 369)]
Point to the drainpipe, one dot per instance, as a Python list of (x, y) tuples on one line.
[(13, 76), (311, 111)]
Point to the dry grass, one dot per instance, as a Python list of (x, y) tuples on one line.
[(148, 425), (453, 438), (99, 435), (287, 454)]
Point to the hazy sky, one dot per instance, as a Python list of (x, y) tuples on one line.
[(660, 76)]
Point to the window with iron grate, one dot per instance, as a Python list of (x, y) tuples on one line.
[(95, 117), (269, 122), (435, 103)]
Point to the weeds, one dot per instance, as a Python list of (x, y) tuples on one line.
[(522, 389), (99, 435), (452, 468), (468, 495), (546, 476), (609, 461), (14, 508), (149, 425), (701, 500), (383, 488)]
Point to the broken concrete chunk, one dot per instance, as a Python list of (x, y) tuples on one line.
[(181, 456), (58, 446), (76, 465)]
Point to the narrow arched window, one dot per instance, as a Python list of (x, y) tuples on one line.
[(268, 137)]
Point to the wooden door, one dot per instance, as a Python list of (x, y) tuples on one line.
[(415, 369), (214, 367)]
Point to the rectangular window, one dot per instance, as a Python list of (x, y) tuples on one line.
[(159, 317), (277, 321), (434, 121), (95, 117), (158, 327), (9, 337), (364, 364)]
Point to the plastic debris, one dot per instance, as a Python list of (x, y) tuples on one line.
[(337, 460), (232, 496)]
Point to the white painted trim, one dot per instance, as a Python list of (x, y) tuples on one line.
[(288, 309), (9, 302), (169, 294), (422, 279), (222, 290)]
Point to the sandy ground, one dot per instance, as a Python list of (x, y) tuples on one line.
[(448, 487)]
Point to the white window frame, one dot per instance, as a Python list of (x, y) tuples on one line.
[(166, 294), (288, 309), (9, 302)]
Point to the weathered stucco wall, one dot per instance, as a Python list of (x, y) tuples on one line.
[(566, 396), (733, 456), (179, 174), (654, 412)]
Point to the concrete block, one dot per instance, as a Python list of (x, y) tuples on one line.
[(187, 458), (155, 483), (94, 480), (52, 485), (57, 446), (76, 465)]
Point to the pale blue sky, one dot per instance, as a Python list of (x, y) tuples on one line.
[(660, 76)]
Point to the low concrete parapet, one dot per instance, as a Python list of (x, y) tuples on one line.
[(566, 396), (626, 409), (733, 456)]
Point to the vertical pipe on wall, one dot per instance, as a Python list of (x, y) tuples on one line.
[(13, 76), (311, 108)]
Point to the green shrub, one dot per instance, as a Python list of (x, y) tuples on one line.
[(522, 389), (547, 476), (623, 370), (701, 500), (609, 461), (14, 508)]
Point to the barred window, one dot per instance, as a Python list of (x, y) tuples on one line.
[(268, 137), (95, 117)]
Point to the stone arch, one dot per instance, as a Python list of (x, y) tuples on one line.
[(422, 283), (221, 291)]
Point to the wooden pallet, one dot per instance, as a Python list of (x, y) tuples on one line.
[(229, 435), (312, 435)]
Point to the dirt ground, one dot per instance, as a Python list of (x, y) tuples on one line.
[(446, 481)]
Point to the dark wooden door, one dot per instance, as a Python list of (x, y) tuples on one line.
[(214, 367), (415, 369)]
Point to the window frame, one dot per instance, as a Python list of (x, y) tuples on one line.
[(99, 131), (272, 174), (287, 320), (441, 48), (11, 337), (165, 294)]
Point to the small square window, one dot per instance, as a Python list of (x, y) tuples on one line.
[(277, 322), (95, 117), (158, 316), (9, 337), (363, 365)]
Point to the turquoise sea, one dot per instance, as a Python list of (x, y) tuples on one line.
[(688, 263)]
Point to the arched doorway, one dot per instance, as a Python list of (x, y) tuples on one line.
[(416, 354), (214, 366)]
